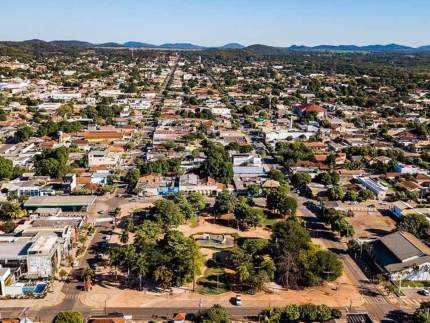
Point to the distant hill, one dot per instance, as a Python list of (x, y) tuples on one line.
[(109, 45), (257, 48), (232, 46), (72, 43), (387, 48), (34, 41), (139, 44), (265, 50), (181, 46)]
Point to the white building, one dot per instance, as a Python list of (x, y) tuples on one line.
[(49, 107), (223, 111), (380, 189), (103, 158), (243, 159)]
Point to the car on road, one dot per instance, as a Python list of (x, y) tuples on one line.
[(238, 300), (384, 203), (101, 212), (424, 292), (133, 200), (75, 264), (372, 205)]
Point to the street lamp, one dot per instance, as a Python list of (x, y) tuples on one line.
[(217, 281), (328, 275)]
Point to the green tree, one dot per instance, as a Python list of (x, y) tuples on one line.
[(350, 195), (253, 189), (335, 193), (129, 224), (277, 199), (289, 237), (197, 201), (224, 202), (132, 178), (421, 315), (301, 179), (215, 314), (140, 267), (414, 223), (308, 312), (324, 313), (6, 168), (291, 312), (87, 272), (10, 211), (23, 132), (63, 274), (167, 213), (163, 275), (125, 237), (366, 194), (65, 110), (271, 315), (276, 175), (69, 317)]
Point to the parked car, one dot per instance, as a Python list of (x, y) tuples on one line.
[(107, 238), (384, 203), (133, 200), (94, 266), (372, 205), (75, 264), (238, 300), (424, 292), (100, 256), (101, 212)]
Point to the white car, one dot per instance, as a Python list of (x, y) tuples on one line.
[(425, 292), (107, 238), (238, 300), (101, 212), (384, 203), (75, 264)]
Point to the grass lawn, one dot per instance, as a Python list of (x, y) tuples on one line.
[(208, 283), (414, 283)]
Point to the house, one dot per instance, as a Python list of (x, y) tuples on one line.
[(307, 108), (401, 256), (179, 318), (191, 183)]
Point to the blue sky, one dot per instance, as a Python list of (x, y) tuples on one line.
[(214, 23)]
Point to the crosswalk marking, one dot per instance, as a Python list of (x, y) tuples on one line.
[(375, 300), (71, 296), (414, 301)]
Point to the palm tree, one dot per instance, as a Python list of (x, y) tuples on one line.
[(242, 273), (140, 268), (127, 259), (124, 237), (114, 259), (128, 224)]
